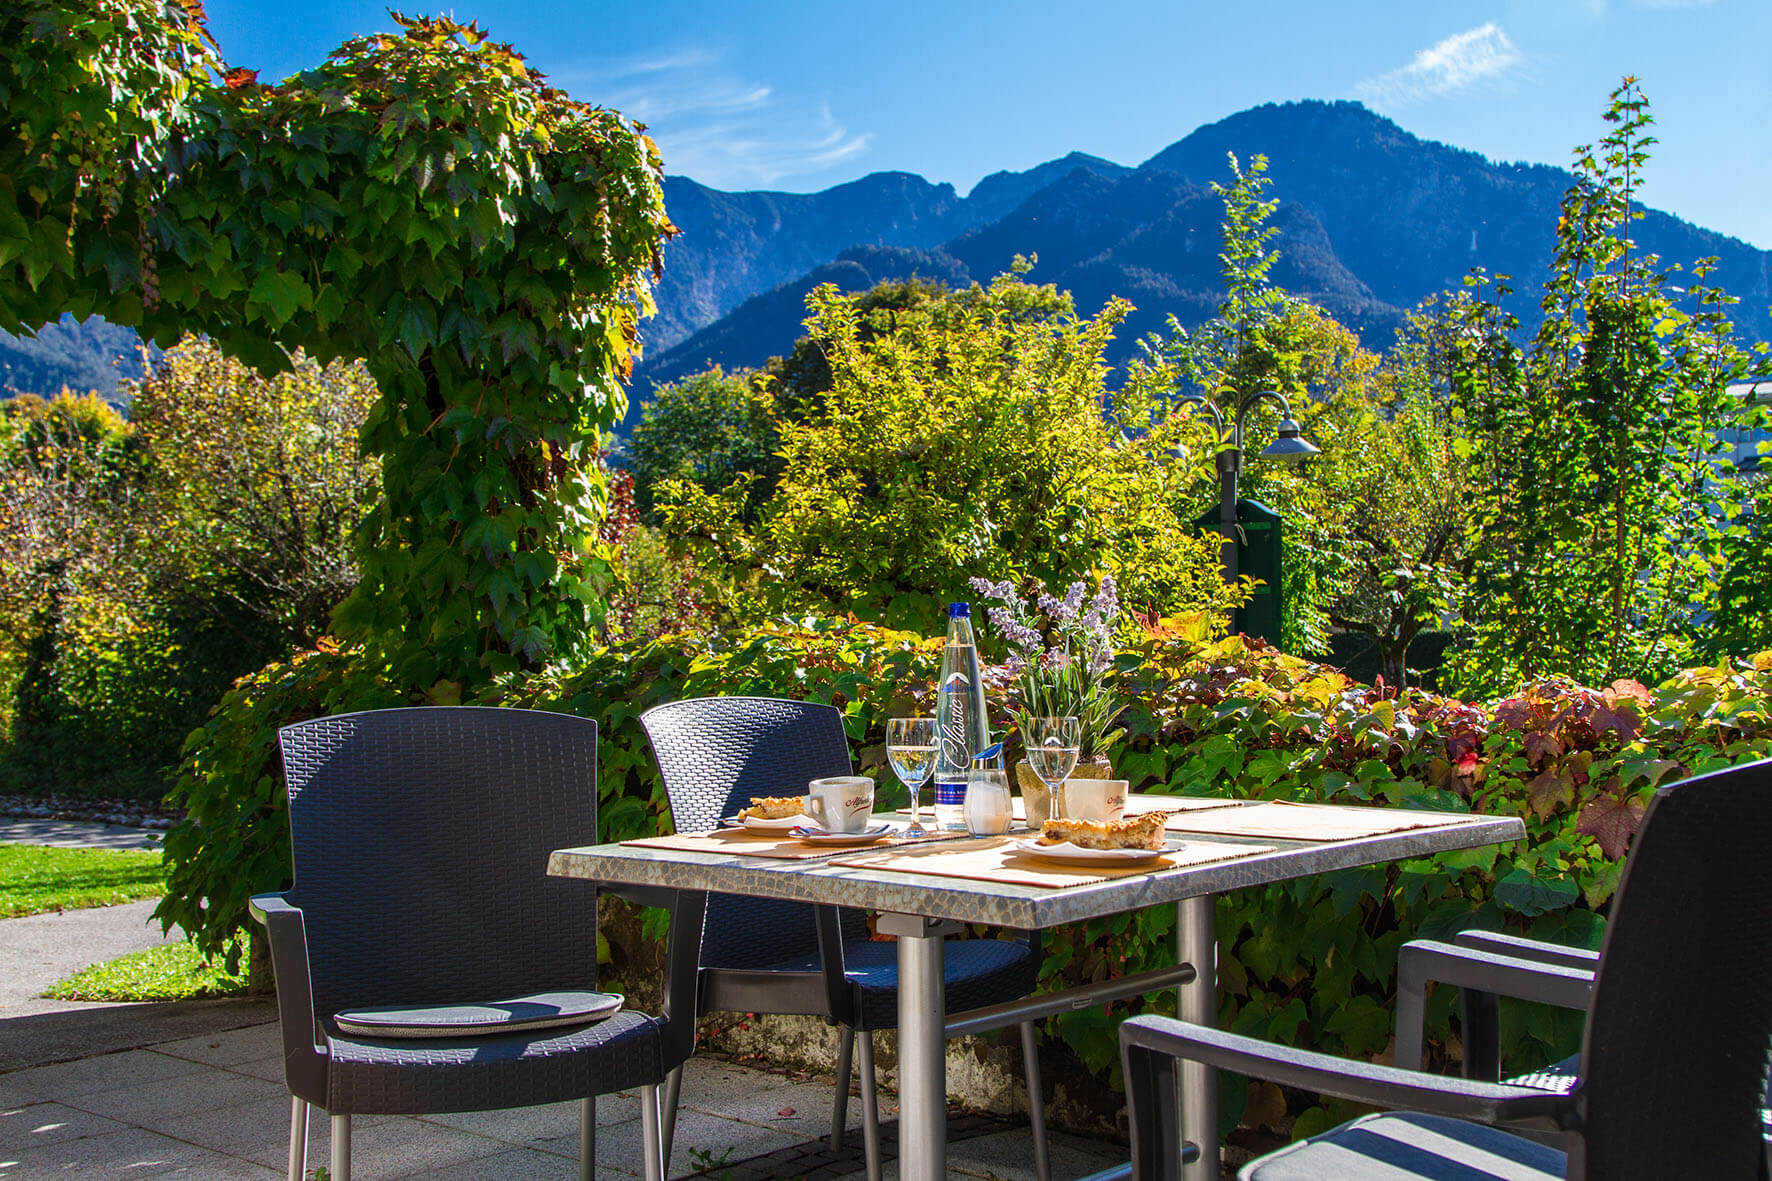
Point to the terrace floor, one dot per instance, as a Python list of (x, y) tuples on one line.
[(213, 1105)]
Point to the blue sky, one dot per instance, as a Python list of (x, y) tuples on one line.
[(800, 96)]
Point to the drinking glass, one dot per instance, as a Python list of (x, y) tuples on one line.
[(1052, 745), (910, 748)]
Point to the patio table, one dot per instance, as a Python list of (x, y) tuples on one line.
[(920, 909)]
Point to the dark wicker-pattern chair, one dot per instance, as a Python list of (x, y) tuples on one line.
[(1673, 1063), (421, 840), (772, 956)]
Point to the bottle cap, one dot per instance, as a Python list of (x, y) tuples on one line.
[(959, 610)]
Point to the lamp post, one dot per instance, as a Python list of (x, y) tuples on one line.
[(1289, 447)]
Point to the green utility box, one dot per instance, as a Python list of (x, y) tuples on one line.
[(1258, 556)]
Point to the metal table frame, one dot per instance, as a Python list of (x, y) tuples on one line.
[(921, 909)]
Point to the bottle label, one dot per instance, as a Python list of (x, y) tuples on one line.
[(950, 792)]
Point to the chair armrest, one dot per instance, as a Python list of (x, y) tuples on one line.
[(1523, 948), (682, 975), (304, 1045), (1474, 970), (1151, 1047)]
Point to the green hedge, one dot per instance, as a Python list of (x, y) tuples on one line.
[(1310, 962)]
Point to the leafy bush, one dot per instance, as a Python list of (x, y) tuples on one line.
[(1309, 962), (968, 433)]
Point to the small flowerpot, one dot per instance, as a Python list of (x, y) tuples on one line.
[(1039, 802)]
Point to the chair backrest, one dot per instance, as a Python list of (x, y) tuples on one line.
[(421, 840), (714, 754), (1674, 1062)]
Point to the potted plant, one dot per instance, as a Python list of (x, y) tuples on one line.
[(1060, 663)]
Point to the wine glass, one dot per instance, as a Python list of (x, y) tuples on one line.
[(1052, 745), (910, 748)]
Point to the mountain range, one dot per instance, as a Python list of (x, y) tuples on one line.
[(1371, 221)]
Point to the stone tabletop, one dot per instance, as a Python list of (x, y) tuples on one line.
[(1021, 907)]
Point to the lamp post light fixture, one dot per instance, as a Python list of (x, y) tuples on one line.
[(1289, 447)]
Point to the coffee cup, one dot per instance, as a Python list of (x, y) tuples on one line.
[(1095, 799), (842, 803)]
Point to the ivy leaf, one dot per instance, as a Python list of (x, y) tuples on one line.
[(1612, 821), (1547, 791), (1540, 746)]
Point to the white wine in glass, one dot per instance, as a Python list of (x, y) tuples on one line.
[(910, 748), (1052, 746)]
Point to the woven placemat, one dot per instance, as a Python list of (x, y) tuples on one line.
[(996, 859), (1307, 822), (739, 842), (1136, 805)]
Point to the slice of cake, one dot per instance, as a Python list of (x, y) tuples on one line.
[(1134, 832), (773, 808)]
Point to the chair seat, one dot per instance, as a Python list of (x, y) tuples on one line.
[(1560, 1077), (976, 972), (415, 1076), (1409, 1147)]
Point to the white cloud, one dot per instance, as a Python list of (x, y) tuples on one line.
[(1458, 63), (715, 125)]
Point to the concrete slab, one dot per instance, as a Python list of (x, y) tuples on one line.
[(130, 1153), (76, 834), (148, 1103), (405, 1148), (515, 1165), (76, 1031), (229, 1047), (69, 1081), (42, 1124)]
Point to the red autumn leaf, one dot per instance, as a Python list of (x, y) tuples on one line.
[(1512, 713), (1467, 765), (1548, 790), (1634, 690), (1541, 746), (785, 1113), (240, 76), (1622, 721), (1612, 822)]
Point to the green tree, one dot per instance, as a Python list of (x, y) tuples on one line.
[(1600, 514), (970, 433), (255, 484), (710, 429)]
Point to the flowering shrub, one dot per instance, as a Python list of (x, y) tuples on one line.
[(1309, 962), (1061, 658)]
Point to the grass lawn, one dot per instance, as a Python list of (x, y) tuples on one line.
[(35, 878), (171, 972)]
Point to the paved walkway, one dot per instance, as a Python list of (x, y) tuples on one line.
[(195, 1089), (214, 1106), (76, 834)]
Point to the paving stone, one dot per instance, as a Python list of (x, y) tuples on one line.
[(66, 1081), (40, 1124), (514, 1165), (403, 1148), (620, 1145), (207, 1090), (269, 1068), (251, 1044), (130, 1153), (526, 1126), (1009, 1156)]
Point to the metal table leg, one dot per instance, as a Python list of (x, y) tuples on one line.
[(922, 1046), (1196, 943)]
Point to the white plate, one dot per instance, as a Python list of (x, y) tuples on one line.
[(1077, 855), (753, 824), (818, 836)]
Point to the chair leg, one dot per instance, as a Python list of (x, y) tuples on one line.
[(840, 1099), (1030, 1064), (298, 1138), (341, 1149), (870, 1109), (652, 1149), (587, 1138), (673, 1091)]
